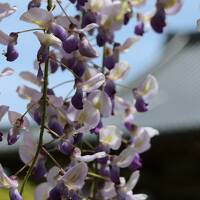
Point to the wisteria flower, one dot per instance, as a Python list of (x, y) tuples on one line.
[(111, 136)]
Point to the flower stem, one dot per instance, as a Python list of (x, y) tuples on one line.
[(42, 127), (29, 30), (61, 7)]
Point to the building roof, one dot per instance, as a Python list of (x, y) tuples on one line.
[(177, 105)]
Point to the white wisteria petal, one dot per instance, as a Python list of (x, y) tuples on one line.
[(27, 148), (41, 191), (148, 89), (111, 135), (108, 191), (48, 39), (101, 101), (26, 92), (89, 158), (3, 111), (125, 158), (6, 10), (119, 70), (5, 181), (89, 27), (130, 196), (138, 2), (7, 71), (52, 176), (89, 117), (64, 21), (132, 180), (93, 83), (128, 43), (75, 176), (96, 6), (150, 131), (29, 76), (37, 16), (142, 142), (4, 38)]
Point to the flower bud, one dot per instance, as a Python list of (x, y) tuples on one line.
[(139, 29), (58, 31), (55, 126), (71, 43), (158, 20), (11, 53), (77, 99), (66, 147)]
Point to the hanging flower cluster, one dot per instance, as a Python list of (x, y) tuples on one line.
[(65, 43)]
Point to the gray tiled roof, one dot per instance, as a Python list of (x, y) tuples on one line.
[(177, 105)]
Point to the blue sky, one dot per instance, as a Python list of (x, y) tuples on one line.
[(141, 56)]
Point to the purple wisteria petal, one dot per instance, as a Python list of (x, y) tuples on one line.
[(115, 174), (139, 29), (109, 62), (74, 178), (34, 4), (136, 163), (77, 100), (66, 147), (14, 194), (110, 88), (58, 31), (55, 126), (141, 105)]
